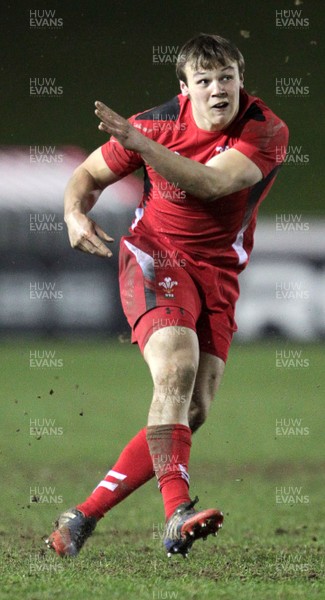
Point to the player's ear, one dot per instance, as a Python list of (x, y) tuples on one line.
[(241, 77), (184, 88)]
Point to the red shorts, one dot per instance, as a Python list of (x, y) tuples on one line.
[(160, 288)]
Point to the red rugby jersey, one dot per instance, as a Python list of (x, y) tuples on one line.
[(218, 232)]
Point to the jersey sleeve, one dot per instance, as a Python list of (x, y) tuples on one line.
[(264, 142), (118, 159)]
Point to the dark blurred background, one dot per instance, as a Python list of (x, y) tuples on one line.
[(114, 51), (104, 50)]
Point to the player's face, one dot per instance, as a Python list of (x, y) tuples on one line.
[(214, 95)]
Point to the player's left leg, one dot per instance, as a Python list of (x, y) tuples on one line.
[(173, 359)]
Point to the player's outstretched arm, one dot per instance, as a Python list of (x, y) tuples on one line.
[(225, 174), (82, 192)]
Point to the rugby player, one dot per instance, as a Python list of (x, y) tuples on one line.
[(210, 156)]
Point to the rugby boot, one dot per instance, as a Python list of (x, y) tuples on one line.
[(71, 531), (186, 525)]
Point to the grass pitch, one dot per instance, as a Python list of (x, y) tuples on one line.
[(258, 458)]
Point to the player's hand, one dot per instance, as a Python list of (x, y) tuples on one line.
[(120, 128), (86, 235)]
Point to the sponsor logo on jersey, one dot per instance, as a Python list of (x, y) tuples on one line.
[(220, 149)]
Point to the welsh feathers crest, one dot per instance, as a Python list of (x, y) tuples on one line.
[(168, 286)]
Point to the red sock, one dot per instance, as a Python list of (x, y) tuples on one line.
[(132, 469), (169, 447)]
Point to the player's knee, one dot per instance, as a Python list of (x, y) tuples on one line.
[(201, 401), (173, 385), (213, 383), (177, 374), (197, 416)]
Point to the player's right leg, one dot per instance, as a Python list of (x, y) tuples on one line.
[(208, 378), (132, 469)]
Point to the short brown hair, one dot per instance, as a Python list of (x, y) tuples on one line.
[(204, 51)]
